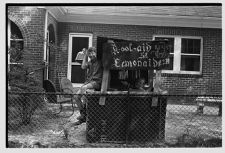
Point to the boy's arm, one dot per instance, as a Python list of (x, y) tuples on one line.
[(84, 64)]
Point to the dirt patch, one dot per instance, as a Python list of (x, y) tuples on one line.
[(45, 130)]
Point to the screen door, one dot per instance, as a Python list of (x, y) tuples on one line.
[(76, 44)]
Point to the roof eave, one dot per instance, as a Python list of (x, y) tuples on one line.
[(170, 21)]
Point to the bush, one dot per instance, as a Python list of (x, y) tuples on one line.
[(22, 79)]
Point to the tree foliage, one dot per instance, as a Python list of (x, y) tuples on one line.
[(22, 77)]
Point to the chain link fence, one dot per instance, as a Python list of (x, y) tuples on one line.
[(175, 120)]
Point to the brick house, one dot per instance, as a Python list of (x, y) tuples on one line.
[(194, 31)]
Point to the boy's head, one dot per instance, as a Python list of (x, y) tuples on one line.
[(140, 83), (92, 53)]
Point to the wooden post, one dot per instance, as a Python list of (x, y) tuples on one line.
[(104, 86), (107, 60), (157, 83), (150, 78)]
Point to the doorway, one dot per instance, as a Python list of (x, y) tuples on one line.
[(77, 41)]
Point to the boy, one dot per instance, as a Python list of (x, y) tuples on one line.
[(93, 81)]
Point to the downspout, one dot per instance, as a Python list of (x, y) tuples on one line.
[(9, 34), (45, 41)]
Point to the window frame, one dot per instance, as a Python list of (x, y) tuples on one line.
[(70, 63), (177, 54), (9, 45)]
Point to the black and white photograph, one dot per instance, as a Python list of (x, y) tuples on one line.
[(113, 75)]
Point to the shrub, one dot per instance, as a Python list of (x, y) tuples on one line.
[(22, 79)]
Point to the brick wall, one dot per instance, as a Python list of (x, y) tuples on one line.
[(30, 21), (211, 79)]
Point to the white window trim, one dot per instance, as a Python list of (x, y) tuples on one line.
[(9, 34), (69, 65), (177, 54)]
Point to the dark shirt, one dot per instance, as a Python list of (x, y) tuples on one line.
[(95, 71)]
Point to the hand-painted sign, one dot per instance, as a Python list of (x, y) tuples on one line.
[(143, 55)]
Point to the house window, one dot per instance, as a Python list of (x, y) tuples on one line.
[(185, 55), (15, 46), (190, 54), (171, 55)]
